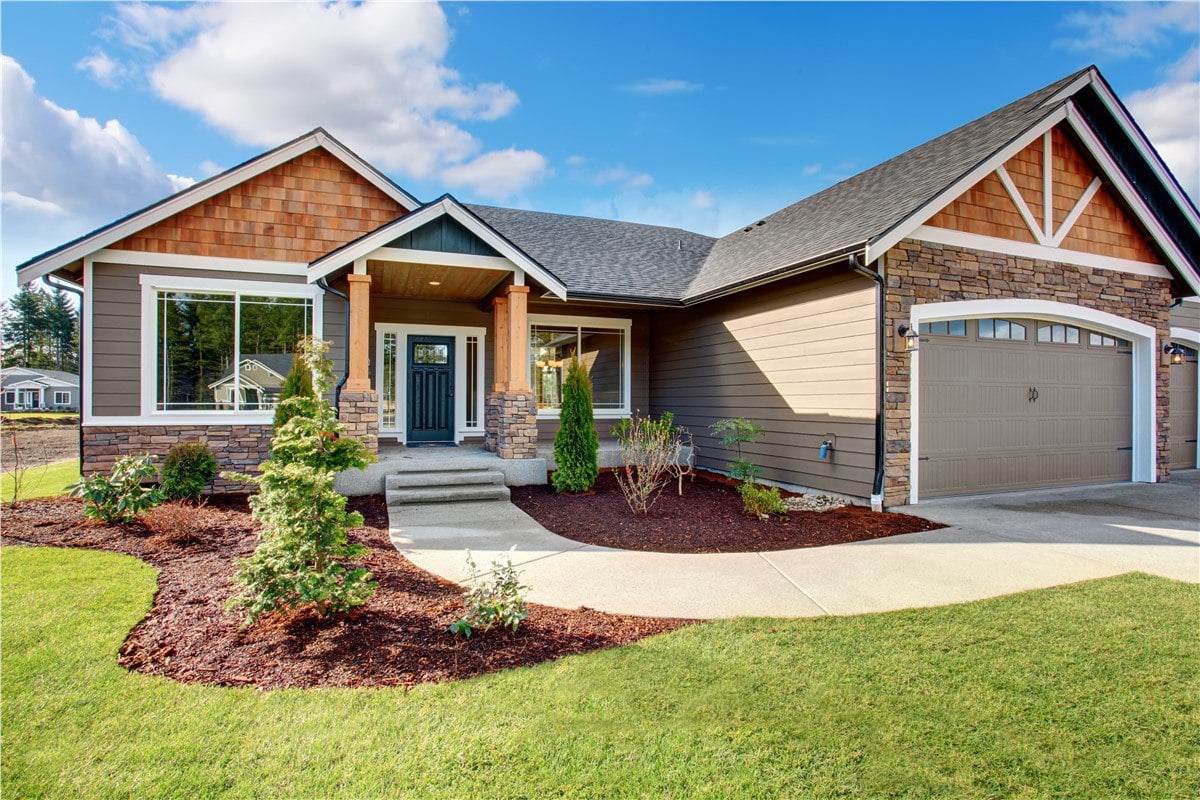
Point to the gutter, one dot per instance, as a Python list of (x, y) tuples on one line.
[(881, 374), (50, 280), (337, 391)]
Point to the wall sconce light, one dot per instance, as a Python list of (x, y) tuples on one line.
[(435, 283), (1174, 351), (909, 337)]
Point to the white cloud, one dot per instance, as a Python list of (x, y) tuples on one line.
[(703, 198), (104, 70), (576, 161), (1126, 29), (500, 173), (1168, 114), (209, 168), (64, 174), (664, 86), (373, 73), (624, 177), (812, 169), (698, 210)]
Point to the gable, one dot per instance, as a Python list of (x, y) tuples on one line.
[(1086, 216), (444, 235), (296, 211)]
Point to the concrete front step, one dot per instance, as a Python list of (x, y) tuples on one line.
[(446, 494), (467, 476)]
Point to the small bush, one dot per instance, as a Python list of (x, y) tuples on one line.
[(495, 599), (119, 496), (762, 501), (736, 432), (187, 470), (576, 446), (177, 523), (298, 383), (652, 451)]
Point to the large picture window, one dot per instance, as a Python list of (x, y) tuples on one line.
[(603, 351), (219, 351)]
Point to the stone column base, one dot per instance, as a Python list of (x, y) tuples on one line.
[(510, 424), (359, 412)]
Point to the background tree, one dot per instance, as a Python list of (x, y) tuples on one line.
[(576, 445), (40, 330)]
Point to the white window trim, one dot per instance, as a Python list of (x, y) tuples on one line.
[(1145, 360), (1192, 339), (64, 393), (460, 335), (10, 397), (151, 284), (611, 323)]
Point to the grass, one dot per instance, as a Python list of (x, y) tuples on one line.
[(17, 416), (1088, 690), (48, 480)]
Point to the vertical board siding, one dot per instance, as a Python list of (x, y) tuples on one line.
[(797, 357), (116, 368), (298, 211)]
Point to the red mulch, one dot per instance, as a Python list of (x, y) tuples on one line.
[(398, 638), (707, 518)]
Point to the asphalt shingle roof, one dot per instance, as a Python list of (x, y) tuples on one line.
[(20, 374)]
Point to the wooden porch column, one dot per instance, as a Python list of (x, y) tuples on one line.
[(360, 311), (500, 338), (518, 338)]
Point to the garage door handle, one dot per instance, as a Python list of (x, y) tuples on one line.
[(1033, 394)]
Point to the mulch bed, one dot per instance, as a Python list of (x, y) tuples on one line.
[(398, 638), (707, 518)]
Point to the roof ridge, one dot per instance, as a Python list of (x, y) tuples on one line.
[(592, 218)]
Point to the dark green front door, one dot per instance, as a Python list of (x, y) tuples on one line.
[(430, 389)]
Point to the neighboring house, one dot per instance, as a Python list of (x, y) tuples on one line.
[(987, 311), (23, 389), (257, 384)]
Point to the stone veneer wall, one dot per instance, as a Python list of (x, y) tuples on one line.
[(359, 412), (237, 447), (510, 424), (920, 272)]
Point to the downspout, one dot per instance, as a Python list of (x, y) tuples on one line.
[(49, 280), (337, 391), (880, 376)]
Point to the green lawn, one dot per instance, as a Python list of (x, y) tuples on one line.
[(1085, 691), (45, 481)]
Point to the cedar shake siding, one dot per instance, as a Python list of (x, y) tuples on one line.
[(115, 370), (797, 357)]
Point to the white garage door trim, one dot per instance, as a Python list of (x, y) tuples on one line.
[(1142, 336), (1193, 338)]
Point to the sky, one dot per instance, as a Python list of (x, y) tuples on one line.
[(705, 116)]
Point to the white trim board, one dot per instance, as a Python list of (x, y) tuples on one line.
[(206, 189), (993, 244), (460, 335), (139, 258), (1145, 360)]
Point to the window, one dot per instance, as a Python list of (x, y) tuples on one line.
[(1058, 334), (62, 398), (599, 346), (954, 327), (472, 349), (1001, 329), (10, 398), (387, 384), (201, 336), (1100, 340)]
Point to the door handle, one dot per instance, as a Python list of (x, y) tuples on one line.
[(1033, 394), (451, 394)]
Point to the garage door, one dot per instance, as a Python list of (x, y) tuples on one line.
[(1183, 410), (1020, 403)]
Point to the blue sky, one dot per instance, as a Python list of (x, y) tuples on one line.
[(706, 116)]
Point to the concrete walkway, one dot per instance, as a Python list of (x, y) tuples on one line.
[(998, 544)]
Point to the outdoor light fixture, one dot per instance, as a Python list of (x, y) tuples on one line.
[(435, 283), (910, 336), (1174, 351)]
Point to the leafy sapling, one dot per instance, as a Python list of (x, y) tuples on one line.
[(494, 599)]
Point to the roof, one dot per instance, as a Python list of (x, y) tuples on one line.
[(602, 256), (46, 377), (279, 363)]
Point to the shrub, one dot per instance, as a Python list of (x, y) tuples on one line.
[(120, 495), (304, 542), (736, 432), (187, 470), (576, 445), (652, 451), (762, 501), (494, 600), (176, 522), (298, 383)]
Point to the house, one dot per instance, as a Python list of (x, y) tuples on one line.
[(257, 384), (23, 389), (991, 310)]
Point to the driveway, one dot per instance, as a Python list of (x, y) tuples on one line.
[(996, 544)]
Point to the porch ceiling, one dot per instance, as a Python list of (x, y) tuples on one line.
[(432, 281)]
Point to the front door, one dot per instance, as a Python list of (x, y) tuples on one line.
[(430, 389)]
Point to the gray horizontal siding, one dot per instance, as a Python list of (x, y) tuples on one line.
[(1186, 315), (797, 357), (116, 327)]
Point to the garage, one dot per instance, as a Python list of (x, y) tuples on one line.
[(1018, 403), (1183, 408)]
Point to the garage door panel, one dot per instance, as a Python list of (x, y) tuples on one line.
[(980, 431)]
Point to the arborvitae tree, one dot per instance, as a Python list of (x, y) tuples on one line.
[(576, 445), (298, 383)]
